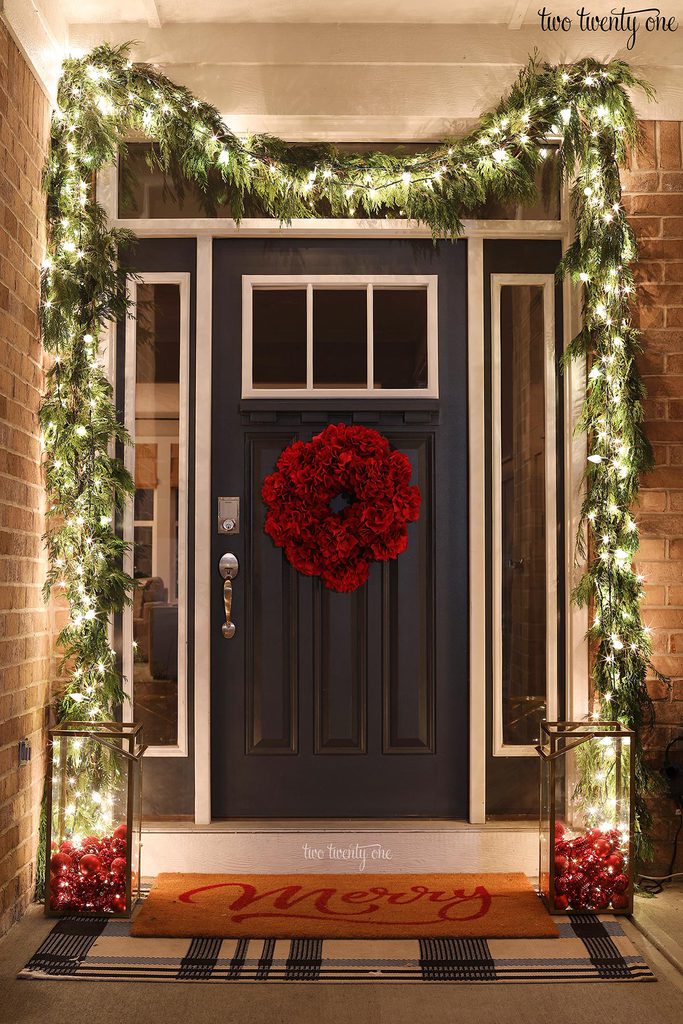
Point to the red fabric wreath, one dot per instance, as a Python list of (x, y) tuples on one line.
[(338, 545)]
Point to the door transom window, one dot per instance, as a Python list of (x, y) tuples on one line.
[(351, 336)]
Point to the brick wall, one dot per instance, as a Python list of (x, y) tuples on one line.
[(654, 198), (25, 642)]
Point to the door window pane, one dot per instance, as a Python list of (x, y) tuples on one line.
[(400, 337), (523, 511), (352, 335), (157, 433), (340, 349), (279, 338)]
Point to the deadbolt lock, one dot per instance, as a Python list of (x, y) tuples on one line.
[(228, 515)]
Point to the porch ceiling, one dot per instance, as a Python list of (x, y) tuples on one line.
[(349, 70)]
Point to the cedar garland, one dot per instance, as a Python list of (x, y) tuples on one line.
[(104, 98)]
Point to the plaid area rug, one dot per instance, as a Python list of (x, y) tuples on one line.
[(99, 949)]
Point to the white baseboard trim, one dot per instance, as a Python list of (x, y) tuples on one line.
[(402, 848)]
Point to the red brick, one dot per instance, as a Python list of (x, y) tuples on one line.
[(661, 249), (645, 155), (655, 597), (672, 227), (655, 204), (639, 181), (651, 501), (672, 271), (671, 181), (648, 227), (669, 139)]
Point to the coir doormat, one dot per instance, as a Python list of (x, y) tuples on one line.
[(342, 906), (98, 949)]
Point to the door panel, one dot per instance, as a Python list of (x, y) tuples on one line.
[(271, 638), (361, 698), (408, 626), (340, 671)]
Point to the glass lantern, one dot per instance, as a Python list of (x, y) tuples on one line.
[(93, 818), (586, 818)]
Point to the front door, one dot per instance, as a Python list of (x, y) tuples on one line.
[(326, 704)]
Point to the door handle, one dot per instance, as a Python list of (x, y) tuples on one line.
[(228, 567)]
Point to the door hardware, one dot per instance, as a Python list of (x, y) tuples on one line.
[(228, 515), (228, 567)]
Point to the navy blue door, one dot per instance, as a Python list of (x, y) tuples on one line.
[(326, 704)]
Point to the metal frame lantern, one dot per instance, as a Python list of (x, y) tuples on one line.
[(586, 817), (94, 813)]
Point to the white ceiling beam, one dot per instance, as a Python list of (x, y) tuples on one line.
[(151, 12), (516, 19)]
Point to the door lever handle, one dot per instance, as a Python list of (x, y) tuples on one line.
[(228, 567)]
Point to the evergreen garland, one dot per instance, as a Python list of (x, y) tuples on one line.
[(104, 98)]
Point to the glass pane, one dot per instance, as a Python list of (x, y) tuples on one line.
[(400, 337), (145, 192), (144, 504), (279, 338), (142, 558), (157, 430), (340, 354), (523, 512)]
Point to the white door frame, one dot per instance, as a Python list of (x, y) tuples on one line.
[(204, 230)]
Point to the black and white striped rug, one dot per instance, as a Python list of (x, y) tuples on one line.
[(589, 949)]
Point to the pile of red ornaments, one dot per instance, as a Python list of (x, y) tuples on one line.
[(90, 878), (589, 870)]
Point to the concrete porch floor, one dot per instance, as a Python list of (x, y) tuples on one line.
[(26, 1002)]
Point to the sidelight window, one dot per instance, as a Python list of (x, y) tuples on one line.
[(523, 381), (352, 336), (156, 403)]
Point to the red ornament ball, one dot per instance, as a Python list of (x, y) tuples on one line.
[(561, 864), (89, 864), (620, 883), (118, 903), (619, 900), (354, 462), (118, 865), (561, 902), (121, 832), (60, 863), (559, 830), (614, 862), (603, 847)]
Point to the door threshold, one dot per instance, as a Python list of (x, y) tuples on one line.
[(348, 845), (269, 825)]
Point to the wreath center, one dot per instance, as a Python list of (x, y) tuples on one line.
[(340, 502)]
